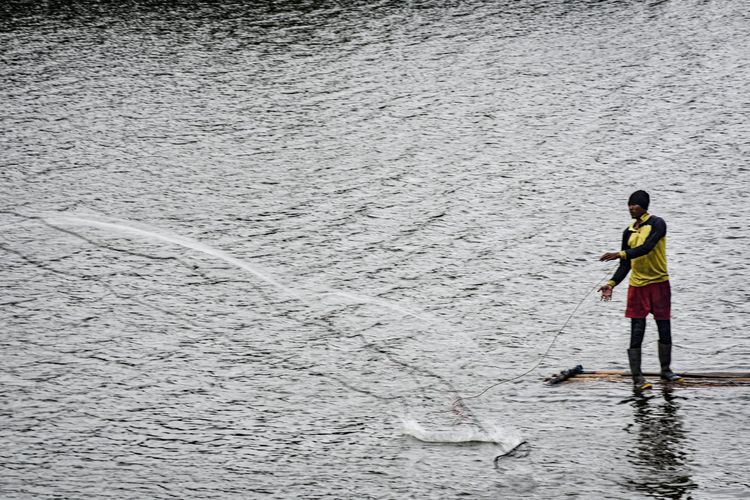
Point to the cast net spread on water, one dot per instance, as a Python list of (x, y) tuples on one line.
[(413, 363)]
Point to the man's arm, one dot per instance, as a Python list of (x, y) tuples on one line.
[(624, 268), (658, 231)]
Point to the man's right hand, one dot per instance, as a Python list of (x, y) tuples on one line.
[(606, 292), (609, 256)]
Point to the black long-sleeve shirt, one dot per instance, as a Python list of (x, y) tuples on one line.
[(644, 253)]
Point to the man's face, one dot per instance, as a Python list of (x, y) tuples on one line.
[(636, 211)]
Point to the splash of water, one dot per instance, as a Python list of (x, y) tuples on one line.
[(127, 227), (362, 299), (151, 233), (507, 438), (147, 232)]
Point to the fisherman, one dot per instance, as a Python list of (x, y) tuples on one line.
[(643, 254)]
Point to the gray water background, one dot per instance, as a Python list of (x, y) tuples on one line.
[(301, 223)]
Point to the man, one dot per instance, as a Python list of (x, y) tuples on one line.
[(643, 254)]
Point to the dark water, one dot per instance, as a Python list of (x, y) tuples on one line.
[(260, 250)]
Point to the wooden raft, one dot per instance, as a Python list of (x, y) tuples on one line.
[(688, 378)]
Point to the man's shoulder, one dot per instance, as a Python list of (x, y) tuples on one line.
[(657, 223), (654, 220)]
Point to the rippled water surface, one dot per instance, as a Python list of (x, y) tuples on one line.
[(261, 251)]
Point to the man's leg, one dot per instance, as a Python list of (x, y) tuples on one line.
[(665, 350), (637, 331)]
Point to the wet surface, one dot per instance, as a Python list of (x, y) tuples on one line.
[(262, 251)]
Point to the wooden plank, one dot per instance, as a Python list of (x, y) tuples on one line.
[(714, 375), (688, 378)]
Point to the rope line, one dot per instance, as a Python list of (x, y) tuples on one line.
[(457, 404)]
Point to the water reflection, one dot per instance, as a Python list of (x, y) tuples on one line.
[(659, 450)]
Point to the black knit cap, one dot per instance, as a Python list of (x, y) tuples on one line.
[(639, 198)]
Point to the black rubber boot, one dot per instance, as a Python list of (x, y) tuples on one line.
[(665, 359), (639, 382)]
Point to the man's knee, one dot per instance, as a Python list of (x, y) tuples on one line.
[(637, 331), (665, 331)]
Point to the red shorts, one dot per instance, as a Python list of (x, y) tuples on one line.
[(655, 299)]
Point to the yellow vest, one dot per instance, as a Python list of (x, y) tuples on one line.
[(644, 253)]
